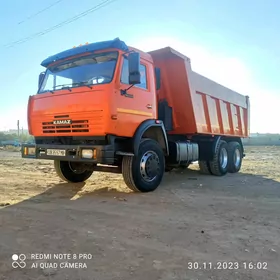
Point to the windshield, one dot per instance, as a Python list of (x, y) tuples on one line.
[(89, 70)]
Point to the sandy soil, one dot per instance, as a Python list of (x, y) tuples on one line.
[(191, 220)]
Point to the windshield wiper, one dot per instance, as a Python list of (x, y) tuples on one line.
[(84, 84), (65, 86), (47, 90)]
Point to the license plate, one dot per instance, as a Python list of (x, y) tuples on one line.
[(56, 152)]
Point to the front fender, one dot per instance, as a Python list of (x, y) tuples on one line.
[(142, 128)]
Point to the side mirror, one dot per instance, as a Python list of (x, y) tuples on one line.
[(157, 74), (41, 78), (134, 68)]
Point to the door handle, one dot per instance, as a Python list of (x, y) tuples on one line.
[(149, 106)]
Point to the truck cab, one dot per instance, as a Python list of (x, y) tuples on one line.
[(91, 101), (94, 90)]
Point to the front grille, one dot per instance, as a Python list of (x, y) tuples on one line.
[(61, 117), (75, 127)]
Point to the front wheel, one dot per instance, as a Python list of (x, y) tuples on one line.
[(72, 172), (144, 172)]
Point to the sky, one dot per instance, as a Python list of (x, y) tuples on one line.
[(235, 43)]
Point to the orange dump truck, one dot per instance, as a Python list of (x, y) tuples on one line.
[(109, 107)]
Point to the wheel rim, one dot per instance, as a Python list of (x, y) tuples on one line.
[(76, 167), (237, 158), (223, 158), (149, 166)]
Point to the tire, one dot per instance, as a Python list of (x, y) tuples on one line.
[(65, 171), (204, 167), (135, 173), (235, 157), (219, 164)]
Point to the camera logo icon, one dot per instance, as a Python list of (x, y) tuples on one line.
[(18, 261)]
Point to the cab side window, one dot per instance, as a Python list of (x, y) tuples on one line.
[(143, 72)]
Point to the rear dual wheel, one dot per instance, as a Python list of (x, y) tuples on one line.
[(219, 165), (227, 158), (204, 167), (235, 157)]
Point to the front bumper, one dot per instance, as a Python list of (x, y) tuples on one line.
[(103, 154)]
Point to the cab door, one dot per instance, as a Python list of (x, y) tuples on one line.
[(138, 103)]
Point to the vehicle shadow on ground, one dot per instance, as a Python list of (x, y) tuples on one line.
[(178, 179), (71, 191), (192, 175)]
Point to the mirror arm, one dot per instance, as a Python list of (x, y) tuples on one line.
[(124, 92), (129, 87)]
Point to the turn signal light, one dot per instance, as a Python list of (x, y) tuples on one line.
[(29, 151)]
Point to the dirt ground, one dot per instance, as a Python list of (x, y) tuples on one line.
[(191, 227)]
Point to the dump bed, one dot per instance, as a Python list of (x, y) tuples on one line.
[(199, 105)]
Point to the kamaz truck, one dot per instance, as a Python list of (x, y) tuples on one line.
[(109, 107)]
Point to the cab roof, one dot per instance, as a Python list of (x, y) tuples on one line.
[(111, 44)]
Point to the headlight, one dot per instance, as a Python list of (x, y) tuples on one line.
[(31, 151), (87, 153)]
